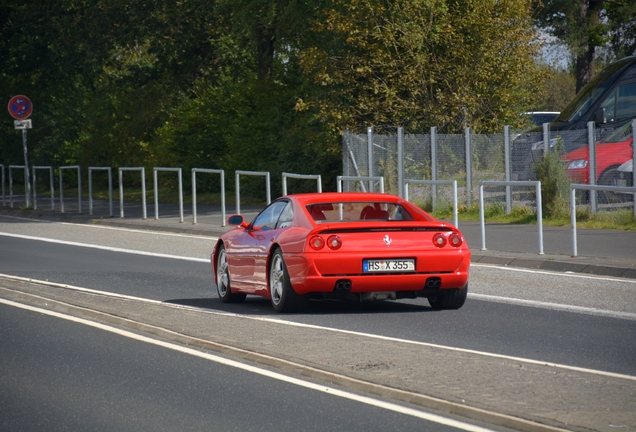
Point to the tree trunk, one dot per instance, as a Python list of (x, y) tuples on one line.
[(266, 37), (589, 17)]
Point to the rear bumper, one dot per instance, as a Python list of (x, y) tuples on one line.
[(305, 278)]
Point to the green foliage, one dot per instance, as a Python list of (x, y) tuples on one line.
[(550, 171)]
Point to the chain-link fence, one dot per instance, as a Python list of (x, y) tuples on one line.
[(509, 156)]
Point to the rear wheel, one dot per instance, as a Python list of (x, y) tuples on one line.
[(284, 298), (453, 299), (223, 279)]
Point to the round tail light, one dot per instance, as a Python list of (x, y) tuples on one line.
[(439, 240), (334, 242), (455, 240), (316, 243)]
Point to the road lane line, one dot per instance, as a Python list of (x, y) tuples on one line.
[(330, 329), (263, 372), (555, 273), (141, 231), (553, 306), (106, 248)]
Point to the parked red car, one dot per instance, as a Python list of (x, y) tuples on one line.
[(610, 154), (364, 246)]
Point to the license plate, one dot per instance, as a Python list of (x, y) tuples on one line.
[(388, 265)]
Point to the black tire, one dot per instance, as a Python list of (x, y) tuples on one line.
[(453, 299), (610, 177), (223, 279), (283, 296)]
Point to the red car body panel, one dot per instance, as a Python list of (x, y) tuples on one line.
[(312, 271), (607, 155)]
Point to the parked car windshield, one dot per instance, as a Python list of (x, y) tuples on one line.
[(590, 93), (358, 212)]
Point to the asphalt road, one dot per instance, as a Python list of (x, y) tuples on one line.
[(574, 320), (57, 375)]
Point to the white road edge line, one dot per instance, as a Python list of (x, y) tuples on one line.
[(555, 273), (331, 329), (141, 231), (263, 372), (106, 248)]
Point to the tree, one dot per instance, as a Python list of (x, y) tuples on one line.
[(584, 26), (421, 63)]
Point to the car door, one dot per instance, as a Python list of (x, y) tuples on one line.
[(264, 231)]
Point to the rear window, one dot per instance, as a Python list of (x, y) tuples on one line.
[(358, 212)]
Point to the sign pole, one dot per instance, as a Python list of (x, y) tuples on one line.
[(20, 108), (27, 180)]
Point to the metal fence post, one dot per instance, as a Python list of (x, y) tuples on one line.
[(546, 138), (90, 188), (434, 165), (143, 190), (370, 152), (400, 149), (3, 202), (35, 203), (469, 168), (79, 186), (633, 162), (507, 167), (155, 170), (591, 145)]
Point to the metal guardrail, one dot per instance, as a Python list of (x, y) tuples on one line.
[(11, 167), (302, 176), (3, 202), (143, 190), (238, 186), (574, 187), (536, 184), (79, 187), (194, 191), (361, 179), (90, 188), (35, 194), (155, 170), (435, 183)]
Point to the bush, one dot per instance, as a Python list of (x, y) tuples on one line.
[(550, 171)]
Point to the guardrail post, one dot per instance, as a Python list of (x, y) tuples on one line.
[(90, 188), (194, 192), (11, 167), (316, 177), (574, 187), (238, 187), (536, 184), (143, 190), (35, 202), (3, 202), (380, 179), (79, 186), (453, 183), (156, 188)]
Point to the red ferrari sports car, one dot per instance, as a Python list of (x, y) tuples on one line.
[(365, 246)]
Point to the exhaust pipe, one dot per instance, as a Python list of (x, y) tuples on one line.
[(343, 285), (433, 283)]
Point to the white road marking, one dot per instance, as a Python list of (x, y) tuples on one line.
[(142, 231), (554, 306), (106, 248), (555, 273), (330, 329), (263, 372)]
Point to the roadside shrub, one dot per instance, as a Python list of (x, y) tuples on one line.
[(550, 171)]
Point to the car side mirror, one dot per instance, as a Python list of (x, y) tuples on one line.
[(237, 220), (600, 117)]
